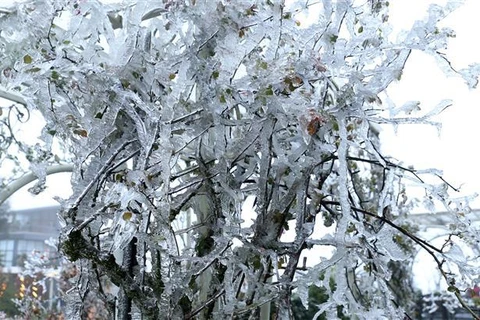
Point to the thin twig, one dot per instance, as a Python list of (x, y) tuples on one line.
[(205, 304), (101, 172)]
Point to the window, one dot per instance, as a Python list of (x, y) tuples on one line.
[(26, 247), (7, 253), (14, 252)]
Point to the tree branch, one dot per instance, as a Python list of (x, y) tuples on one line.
[(30, 177), (5, 94)]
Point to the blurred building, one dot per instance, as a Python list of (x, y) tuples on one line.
[(436, 308), (23, 236), (23, 232)]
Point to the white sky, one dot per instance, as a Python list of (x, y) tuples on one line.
[(455, 150)]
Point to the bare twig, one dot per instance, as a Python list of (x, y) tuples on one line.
[(205, 304)]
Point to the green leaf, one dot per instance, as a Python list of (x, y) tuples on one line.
[(257, 262), (335, 126), (125, 83), (452, 289), (269, 91), (111, 96), (36, 69), (27, 59), (55, 75)]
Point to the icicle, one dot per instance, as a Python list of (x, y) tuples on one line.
[(343, 181)]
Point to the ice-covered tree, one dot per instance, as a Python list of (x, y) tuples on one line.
[(204, 132)]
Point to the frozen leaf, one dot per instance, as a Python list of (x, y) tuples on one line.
[(408, 108), (302, 293), (127, 215), (27, 59), (391, 248), (81, 132), (122, 195)]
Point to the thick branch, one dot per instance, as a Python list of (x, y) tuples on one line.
[(77, 247), (5, 94), (30, 177)]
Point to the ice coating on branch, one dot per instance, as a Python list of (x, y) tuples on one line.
[(40, 170), (343, 179), (470, 75), (122, 230), (392, 250), (407, 108)]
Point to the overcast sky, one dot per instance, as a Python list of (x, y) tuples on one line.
[(455, 150)]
